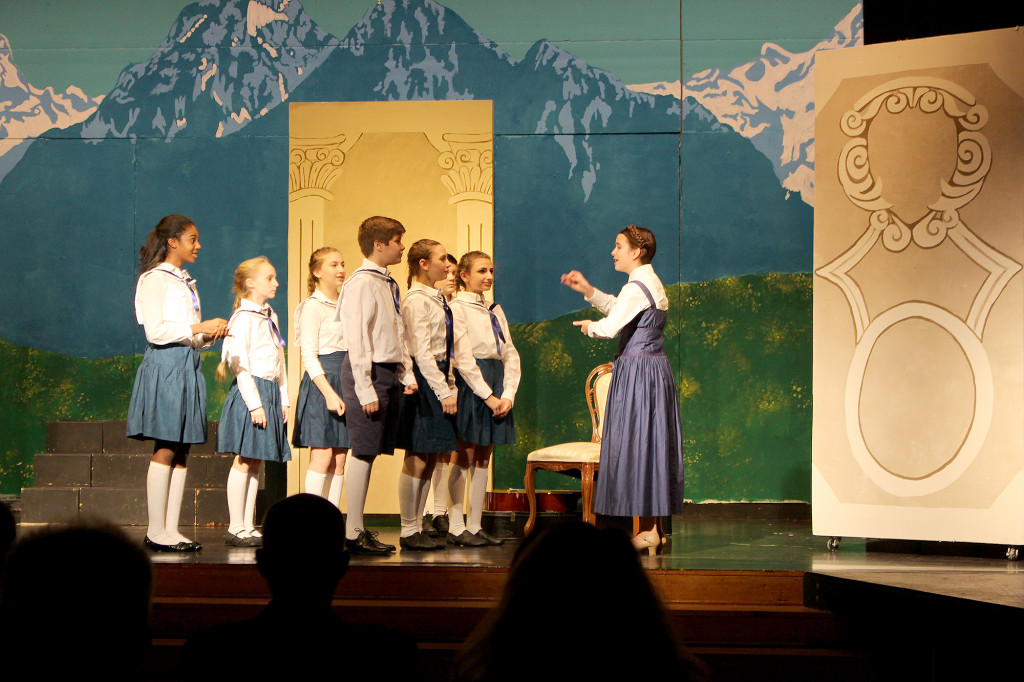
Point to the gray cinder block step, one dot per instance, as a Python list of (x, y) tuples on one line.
[(62, 470), (49, 504), (91, 469), (109, 436)]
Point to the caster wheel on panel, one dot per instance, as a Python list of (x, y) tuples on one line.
[(833, 544), (1012, 553)]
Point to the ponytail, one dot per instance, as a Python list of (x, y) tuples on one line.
[(245, 270), (154, 251), (420, 250), (316, 260)]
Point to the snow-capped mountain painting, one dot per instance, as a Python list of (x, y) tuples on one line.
[(27, 112), (199, 128), (770, 101), (715, 164), (221, 66)]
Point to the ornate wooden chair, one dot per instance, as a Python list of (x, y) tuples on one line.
[(582, 457)]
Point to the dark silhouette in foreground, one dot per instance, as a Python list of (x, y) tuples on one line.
[(577, 605), (74, 602), (298, 633)]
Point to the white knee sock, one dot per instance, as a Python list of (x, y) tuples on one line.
[(334, 486), (157, 483), (439, 488), (315, 483), (357, 473), (422, 491), (237, 482), (477, 495), (252, 486), (407, 489), (175, 493), (456, 497)]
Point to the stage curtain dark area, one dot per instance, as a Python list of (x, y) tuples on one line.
[(890, 20)]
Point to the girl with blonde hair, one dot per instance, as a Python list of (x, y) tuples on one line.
[(252, 421)]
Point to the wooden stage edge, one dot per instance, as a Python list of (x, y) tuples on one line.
[(734, 620)]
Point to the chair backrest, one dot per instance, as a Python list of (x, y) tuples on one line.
[(597, 398)]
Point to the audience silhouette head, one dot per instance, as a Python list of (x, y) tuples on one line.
[(588, 584), (75, 599), (303, 535)]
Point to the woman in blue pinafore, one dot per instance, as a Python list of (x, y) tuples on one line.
[(641, 448)]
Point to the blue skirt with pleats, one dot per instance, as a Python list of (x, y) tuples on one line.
[(237, 434), (423, 426), (474, 422), (169, 396), (315, 426)]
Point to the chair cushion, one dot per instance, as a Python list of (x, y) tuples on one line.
[(567, 452)]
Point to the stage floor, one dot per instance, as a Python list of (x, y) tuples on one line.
[(977, 573), (973, 572), (700, 544)]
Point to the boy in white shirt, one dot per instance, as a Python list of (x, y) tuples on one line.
[(377, 364)]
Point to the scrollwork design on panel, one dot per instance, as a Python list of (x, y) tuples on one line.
[(973, 157)]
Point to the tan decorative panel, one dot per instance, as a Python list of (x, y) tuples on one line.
[(918, 306)]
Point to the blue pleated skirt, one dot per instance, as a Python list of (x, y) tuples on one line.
[(641, 446), (315, 426), (237, 434), (423, 426), (474, 422), (169, 396)]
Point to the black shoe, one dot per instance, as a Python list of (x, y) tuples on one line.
[(372, 534), (157, 547), (440, 524), (417, 542), (488, 538), (365, 544), (466, 539), (238, 541), (187, 546), (427, 526)]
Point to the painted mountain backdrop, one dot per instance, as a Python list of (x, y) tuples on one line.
[(770, 101), (26, 111), (198, 129)]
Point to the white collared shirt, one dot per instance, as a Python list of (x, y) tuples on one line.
[(631, 300), (373, 328), (251, 349), (425, 336), (317, 331), (474, 338), (165, 308)]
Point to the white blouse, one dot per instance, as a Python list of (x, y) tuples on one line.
[(167, 305), (630, 301), (425, 335), (474, 338), (253, 349), (317, 331)]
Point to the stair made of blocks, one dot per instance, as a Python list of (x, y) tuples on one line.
[(91, 469)]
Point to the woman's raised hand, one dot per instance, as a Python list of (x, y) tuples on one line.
[(577, 282)]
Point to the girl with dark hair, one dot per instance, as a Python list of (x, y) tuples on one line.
[(320, 411), (168, 402), (641, 446)]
